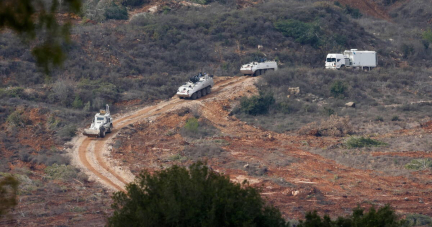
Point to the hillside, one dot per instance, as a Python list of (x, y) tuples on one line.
[(133, 54)]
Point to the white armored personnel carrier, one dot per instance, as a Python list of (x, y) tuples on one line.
[(258, 68), (102, 123), (197, 86)]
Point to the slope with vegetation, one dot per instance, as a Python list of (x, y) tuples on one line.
[(122, 53)]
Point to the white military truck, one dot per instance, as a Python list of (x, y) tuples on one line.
[(102, 124), (197, 86), (352, 58), (258, 68)]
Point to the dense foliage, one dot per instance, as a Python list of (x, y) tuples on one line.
[(8, 193), (38, 21), (196, 196), (384, 216)]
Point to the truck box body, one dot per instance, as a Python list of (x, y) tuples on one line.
[(352, 58), (361, 58)]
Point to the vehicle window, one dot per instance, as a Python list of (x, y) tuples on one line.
[(331, 59), (338, 60), (100, 119)]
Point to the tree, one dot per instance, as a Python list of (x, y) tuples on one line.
[(8, 192), (385, 216), (196, 196), (36, 21)]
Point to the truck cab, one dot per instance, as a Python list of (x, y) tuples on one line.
[(334, 61)]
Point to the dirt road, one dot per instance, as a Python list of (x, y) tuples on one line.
[(91, 154)]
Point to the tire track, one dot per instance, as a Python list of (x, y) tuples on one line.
[(97, 163)]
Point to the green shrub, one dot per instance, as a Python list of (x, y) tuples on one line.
[(67, 132), (418, 220), (258, 104), (338, 89), (379, 118), (133, 2), (328, 111), (358, 142), (384, 216), (353, 12), (418, 164), (194, 196), (304, 33), (12, 92), (62, 172), (427, 35), (395, 118), (77, 103), (192, 125), (17, 118), (116, 12)]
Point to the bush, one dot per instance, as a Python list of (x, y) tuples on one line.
[(198, 128), (385, 216), (116, 12), (8, 194), (67, 132), (304, 33), (258, 104), (77, 103), (418, 220), (338, 89), (353, 12), (417, 164), (17, 118), (191, 125), (358, 142), (395, 118), (133, 2), (194, 196), (62, 172)]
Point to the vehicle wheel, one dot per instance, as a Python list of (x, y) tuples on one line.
[(181, 97), (102, 132), (198, 94), (208, 89), (109, 129), (204, 92), (194, 96)]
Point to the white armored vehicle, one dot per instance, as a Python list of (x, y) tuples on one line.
[(197, 86), (352, 58), (102, 123), (258, 68)]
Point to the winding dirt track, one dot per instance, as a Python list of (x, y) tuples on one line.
[(89, 153)]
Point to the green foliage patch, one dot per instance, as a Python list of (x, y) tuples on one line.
[(62, 172), (194, 196), (338, 89), (359, 142), (304, 33), (258, 104), (384, 216), (191, 125), (116, 12), (418, 164), (18, 118)]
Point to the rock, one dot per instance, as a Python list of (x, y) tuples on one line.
[(350, 104)]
